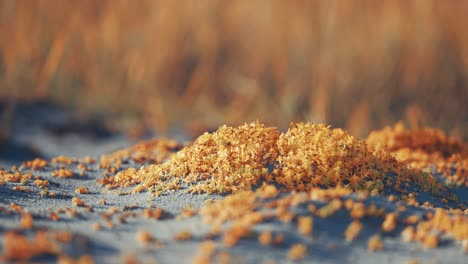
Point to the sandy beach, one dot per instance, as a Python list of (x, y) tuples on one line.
[(84, 220)]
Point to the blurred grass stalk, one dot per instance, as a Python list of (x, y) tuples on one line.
[(354, 64)]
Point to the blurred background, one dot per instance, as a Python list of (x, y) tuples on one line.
[(194, 65)]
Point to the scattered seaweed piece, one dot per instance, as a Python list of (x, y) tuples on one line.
[(81, 190), (63, 173), (36, 164), (426, 147), (297, 252), (242, 212), (154, 151), (375, 243)]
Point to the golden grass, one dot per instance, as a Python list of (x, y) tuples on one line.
[(354, 64)]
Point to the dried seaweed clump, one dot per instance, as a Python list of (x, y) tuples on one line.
[(425, 147), (316, 156), (20, 248), (156, 150), (227, 160), (307, 156)]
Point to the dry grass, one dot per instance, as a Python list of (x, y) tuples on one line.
[(358, 65)]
